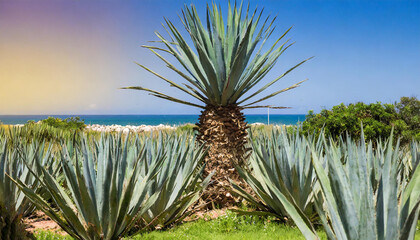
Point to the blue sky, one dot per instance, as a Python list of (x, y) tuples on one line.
[(70, 57)]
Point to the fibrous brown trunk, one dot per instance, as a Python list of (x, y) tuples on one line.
[(223, 130), (11, 226)]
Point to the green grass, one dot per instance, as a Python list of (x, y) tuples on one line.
[(226, 227), (229, 226), (46, 235), (417, 237)]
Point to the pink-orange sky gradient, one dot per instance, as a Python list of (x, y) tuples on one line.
[(70, 57), (53, 60)]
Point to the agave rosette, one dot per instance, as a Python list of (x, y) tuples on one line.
[(179, 182), (15, 157), (281, 174), (105, 195), (112, 183), (352, 207)]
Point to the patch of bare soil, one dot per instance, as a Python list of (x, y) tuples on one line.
[(207, 214), (40, 221)]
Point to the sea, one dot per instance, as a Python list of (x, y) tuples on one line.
[(136, 120)]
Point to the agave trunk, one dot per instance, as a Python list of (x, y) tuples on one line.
[(223, 130), (11, 226)]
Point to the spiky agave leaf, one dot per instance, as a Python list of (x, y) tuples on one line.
[(229, 57), (282, 177)]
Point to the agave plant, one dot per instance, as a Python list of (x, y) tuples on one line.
[(411, 160), (14, 159), (106, 192), (353, 208), (228, 58), (178, 182), (283, 178), (112, 183)]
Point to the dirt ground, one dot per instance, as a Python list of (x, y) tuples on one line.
[(42, 222)]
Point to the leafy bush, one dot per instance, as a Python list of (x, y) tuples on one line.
[(377, 119), (38, 132), (409, 111), (71, 123), (52, 129)]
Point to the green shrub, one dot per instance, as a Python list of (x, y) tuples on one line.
[(71, 123), (409, 111), (377, 119), (52, 129), (41, 132)]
